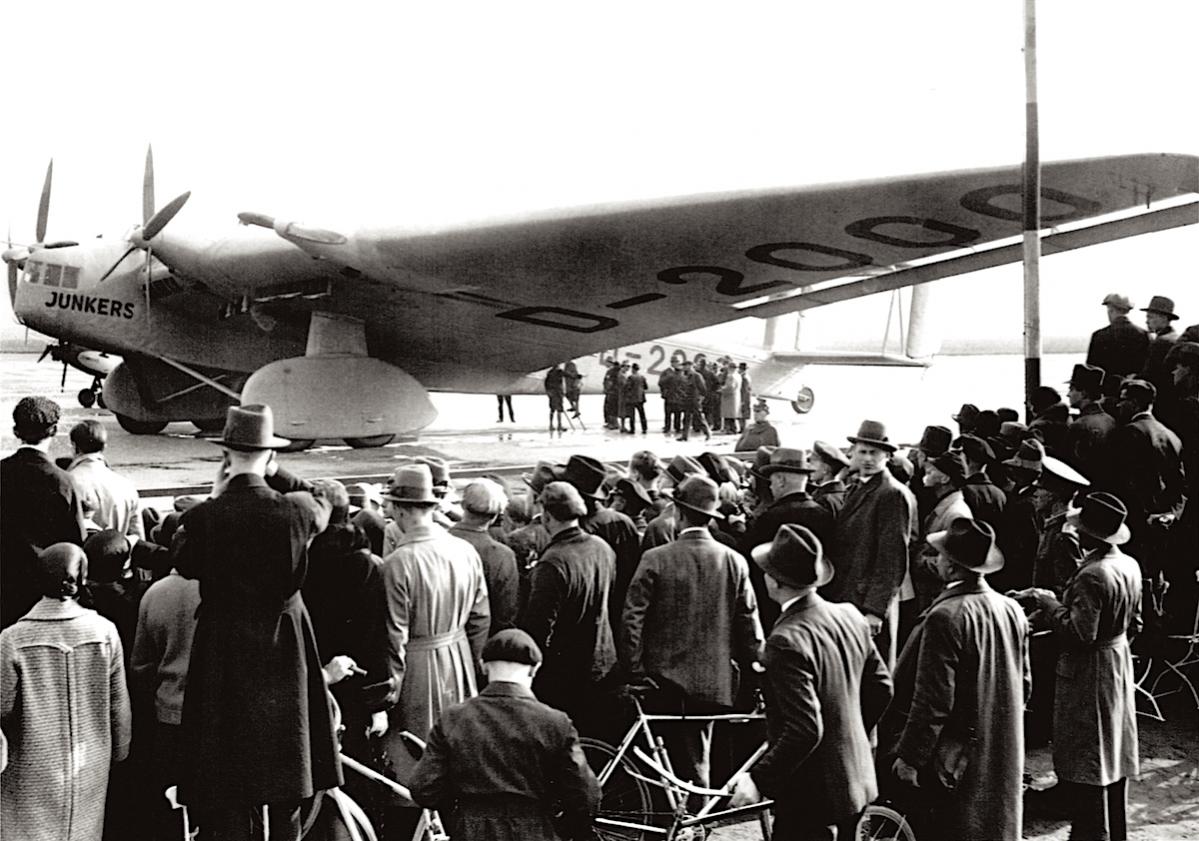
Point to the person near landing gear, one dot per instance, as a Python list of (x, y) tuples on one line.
[(502, 400)]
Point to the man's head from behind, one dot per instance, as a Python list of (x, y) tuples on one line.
[(511, 656), (35, 419), (88, 437), (1118, 306)]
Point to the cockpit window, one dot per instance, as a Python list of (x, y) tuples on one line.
[(50, 274), (70, 277), (53, 275)]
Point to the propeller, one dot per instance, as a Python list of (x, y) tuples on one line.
[(43, 207), (53, 352), (148, 187), (13, 269), (152, 222)]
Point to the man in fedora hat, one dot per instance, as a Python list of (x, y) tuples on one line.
[(870, 544), (966, 418), (695, 664), (935, 440), (503, 765), (1094, 722), (1159, 318), (1087, 441), (985, 498), (956, 726), (1121, 347), (826, 688), (664, 528), (788, 473), (1019, 530), (944, 476), (828, 466), (256, 724), (567, 609)]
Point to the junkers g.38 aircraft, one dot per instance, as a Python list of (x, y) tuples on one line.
[(344, 333)]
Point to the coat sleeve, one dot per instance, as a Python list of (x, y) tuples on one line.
[(431, 784), (632, 620), (792, 679), (118, 700), (893, 525), (546, 591), (143, 663), (575, 786), (936, 680), (10, 677), (478, 624), (877, 686), (747, 627), (1077, 618), (396, 585)]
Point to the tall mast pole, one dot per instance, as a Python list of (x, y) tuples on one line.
[(1032, 210)]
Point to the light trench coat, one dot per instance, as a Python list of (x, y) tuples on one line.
[(437, 623)]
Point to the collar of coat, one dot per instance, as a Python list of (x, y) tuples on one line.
[(831, 487), (246, 480), (53, 610), (804, 602), (88, 458), (1091, 409), (568, 533), (508, 689), (969, 587), (422, 533), (794, 496)]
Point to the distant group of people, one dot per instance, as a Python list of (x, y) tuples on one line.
[(885, 603)]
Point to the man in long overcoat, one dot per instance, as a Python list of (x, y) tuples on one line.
[(826, 688), (1090, 432), (696, 664), (257, 727), (1095, 719), (1121, 347), (960, 689), (870, 546)]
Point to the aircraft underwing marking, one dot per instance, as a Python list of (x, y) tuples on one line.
[(895, 230)]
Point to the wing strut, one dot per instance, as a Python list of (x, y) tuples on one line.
[(208, 381)]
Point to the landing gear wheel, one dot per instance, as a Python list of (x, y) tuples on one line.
[(298, 445), (87, 398), (138, 427), (210, 424), (370, 441), (623, 797), (804, 401)]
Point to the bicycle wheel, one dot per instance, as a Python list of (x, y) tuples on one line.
[(882, 823), (624, 799)]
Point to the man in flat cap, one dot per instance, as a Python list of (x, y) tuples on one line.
[(956, 726), (257, 727), (1089, 432), (1095, 722), (761, 433), (41, 506), (826, 688), (503, 764), (483, 502), (828, 467), (1121, 347)]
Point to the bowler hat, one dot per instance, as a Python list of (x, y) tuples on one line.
[(935, 440), (715, 467), (1115, 299), (699, 494), (587, 474), (251, 428), (1101, 515), (786, 460), (975, 448), (1055, 473), (1087, 378), (1162, 305), (873, 434), (636, 498), (968, 414), (794, 558), (1138, 390), (512, 645), (830, 455), (411, 483), (951, 464), (544, 473), (969, 543), (681, 467)]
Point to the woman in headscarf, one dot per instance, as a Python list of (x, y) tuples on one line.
[(65, 708)]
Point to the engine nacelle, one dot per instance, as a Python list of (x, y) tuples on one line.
[(317, 397)]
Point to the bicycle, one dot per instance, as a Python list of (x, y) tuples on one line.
[(629, 779)]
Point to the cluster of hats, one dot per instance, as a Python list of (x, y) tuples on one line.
[(424, 481)]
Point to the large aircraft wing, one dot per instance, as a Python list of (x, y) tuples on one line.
[(519, 294)]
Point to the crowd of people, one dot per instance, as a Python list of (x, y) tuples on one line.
[(892, 609)]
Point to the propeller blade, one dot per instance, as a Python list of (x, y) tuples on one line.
[(45, 352), (148, 188), (63, 383), (13, 272), (43, 208), (162, 217), (113, 267)]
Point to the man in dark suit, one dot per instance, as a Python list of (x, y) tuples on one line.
[(693, 389), (500, 765), (1090, 431), (1160, 318), (567, 609), (873, 530), (985, 498), (695, 664), (41, 506), (960, 689), (257, 727), (828, 466), (1121, 347), (826, 688)]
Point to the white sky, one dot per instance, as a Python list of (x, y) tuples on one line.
[(356, 113)]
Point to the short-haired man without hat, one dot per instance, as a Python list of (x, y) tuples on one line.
[(956, 726), (483, 502), (1160, 318), (826, 688), (1121, 347), (502, 765), (663, 638), (42, 506), (118, 506), (1094, 722), (257, 728), (825, 484), (567, 611), (870, 547), (1088, 438)]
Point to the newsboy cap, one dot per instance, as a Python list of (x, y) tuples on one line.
[(512, 645), (1115, 299)]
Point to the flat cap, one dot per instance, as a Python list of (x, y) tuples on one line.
[(512, 645)]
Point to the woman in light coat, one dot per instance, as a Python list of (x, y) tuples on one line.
[(730, 398), (65, 709)]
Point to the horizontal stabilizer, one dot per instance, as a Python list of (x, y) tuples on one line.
[(832, 357)]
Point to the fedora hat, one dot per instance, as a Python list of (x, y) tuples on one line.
[(250, 428), (715, 467), (587, 474), (437, 468), (1115, 299), (411, 483), (1087, 378), (935, 440), (786, 460), (1012, 433), (544, 473), (699, 494), (794, 558), (681, 467), (1161, 305), (951, 464), (1030, 457), (874, 434), (1101, 515), (761, 459), (967, 414), (975, 448), (969, 543), (1183, 353), (636, 498), (987, 424), (830, 455)]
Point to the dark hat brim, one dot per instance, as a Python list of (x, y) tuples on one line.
[(770, 469), (762, 557), (715, 515), (1170, 315), (993, 563), (1121, 536), (874, 442)]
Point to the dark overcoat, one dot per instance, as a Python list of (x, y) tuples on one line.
[(798, 509), (41, 507), (1089, 450), (964, 675), (500, 572), (256, 720), (501, 764), (1094, 715), (1148, 459), (620, 532), (660, 633), (1119, 349), (985, 499), (567, 616), (826, 687), (831, 495)]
